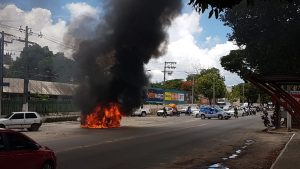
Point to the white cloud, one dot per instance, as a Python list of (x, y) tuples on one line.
[(190, 57), (81, 9), (40, 20)]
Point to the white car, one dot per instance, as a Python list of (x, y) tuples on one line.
[(20, 120), (141, 112), (170, 111), (231, 111)]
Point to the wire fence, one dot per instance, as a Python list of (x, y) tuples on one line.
[(43, 107)]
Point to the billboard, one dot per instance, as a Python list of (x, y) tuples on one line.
[(155, 95), (174, 96)]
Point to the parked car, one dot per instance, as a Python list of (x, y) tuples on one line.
[(170, 111), (212, 112), (188, 110), (141, 112), (231, 111), (20, 120), (19, 151)]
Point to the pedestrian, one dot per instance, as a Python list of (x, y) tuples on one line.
[(236, 112), (189, 110), (165, 112)]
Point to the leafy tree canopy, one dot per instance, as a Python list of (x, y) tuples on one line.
[(207, 81), (268, 35), (218, 6), (251, 93), (42, 65)]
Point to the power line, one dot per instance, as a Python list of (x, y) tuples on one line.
[(40, 35)]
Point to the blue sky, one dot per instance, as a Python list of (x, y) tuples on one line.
[(211, 26)]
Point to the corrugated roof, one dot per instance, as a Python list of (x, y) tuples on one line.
[(39, 87)]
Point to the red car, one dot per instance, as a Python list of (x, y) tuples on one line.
[(19, 151)]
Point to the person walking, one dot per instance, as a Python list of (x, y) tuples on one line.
[(236, 112), (164, 112)]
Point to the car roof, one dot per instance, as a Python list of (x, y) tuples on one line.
[(24, 112), (4, 130)]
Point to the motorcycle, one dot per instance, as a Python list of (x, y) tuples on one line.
[(266, 120)]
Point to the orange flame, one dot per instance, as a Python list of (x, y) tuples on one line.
[(111, 118)]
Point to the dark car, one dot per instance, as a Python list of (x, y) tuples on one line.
[(19, 151)]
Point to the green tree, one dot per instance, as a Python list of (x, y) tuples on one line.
[(218, 6), (42, 65), (173, 84), (209, 80), (156, 85), (267, 33), (251, 93)]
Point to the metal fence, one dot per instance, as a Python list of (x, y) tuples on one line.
[(40, 106)]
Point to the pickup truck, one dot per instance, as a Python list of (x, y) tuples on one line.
[(141, 112)]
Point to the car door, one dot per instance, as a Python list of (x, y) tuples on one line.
[(30, 118), (214, 113), (17, 120), (24, 153), (209, 112)]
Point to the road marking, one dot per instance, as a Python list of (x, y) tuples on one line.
[(282, 151), (128, 138)]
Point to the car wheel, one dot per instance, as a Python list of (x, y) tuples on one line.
[(158, 114), (197, 115), (2, 126), (48, 165), (143, 114), (202, 116), (34, 127), (220, 117)]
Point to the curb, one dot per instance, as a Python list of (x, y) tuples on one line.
[(283, 150)]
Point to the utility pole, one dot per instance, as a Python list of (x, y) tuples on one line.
[(26, 80), (2, 41), (193, 89), (214, 92), (168, 65), (243, 92), (1, 69)]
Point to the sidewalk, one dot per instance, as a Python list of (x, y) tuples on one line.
[(290, 156)]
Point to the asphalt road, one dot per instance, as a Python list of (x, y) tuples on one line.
[(149, 146)]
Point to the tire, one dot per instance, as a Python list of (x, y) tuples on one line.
[(48, 165), (34, 127), (202, 116), (158, 114), (143, 114), (220, 117), (2, 126), (197, 115)]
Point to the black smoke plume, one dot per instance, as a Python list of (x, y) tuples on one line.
[(111, 65)]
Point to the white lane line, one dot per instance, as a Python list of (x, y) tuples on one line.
[(128, 138), (282, 151)]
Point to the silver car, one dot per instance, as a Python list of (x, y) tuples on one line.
[(213, 112)]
